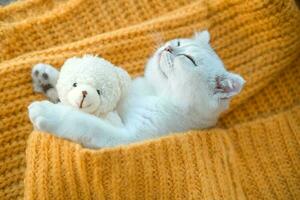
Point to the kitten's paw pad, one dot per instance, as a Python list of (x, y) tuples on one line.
[(44, 77), (42, 114)]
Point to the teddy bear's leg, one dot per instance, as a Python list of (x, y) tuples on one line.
[(44, 78)]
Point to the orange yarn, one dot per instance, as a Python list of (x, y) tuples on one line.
[(254, 152)]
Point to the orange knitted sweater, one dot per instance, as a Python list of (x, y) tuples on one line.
[(253, 153)]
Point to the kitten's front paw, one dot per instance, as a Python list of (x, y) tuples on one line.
[(44, 78), (44, 115)]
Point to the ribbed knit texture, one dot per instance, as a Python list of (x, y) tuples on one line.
[(256, 160), (254, 152)]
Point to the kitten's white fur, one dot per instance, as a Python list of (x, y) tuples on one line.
[(185, 87)]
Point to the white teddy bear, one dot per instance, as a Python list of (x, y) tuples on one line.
[(90, 84)]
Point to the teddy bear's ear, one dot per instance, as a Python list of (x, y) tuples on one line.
[(124, 79)]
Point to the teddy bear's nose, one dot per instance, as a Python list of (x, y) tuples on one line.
[(84, 93)]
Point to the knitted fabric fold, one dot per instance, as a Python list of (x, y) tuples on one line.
[(256, 160), (254, 151), (68, 21)]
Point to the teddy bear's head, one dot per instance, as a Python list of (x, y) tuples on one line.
[(92, 84)]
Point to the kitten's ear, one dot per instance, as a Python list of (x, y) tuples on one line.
[(229, 85), (203, 36)]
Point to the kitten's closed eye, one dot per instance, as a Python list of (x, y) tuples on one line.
[(189, 57)]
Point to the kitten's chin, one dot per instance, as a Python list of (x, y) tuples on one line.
[(162, 73)]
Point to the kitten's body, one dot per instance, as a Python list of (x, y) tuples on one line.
[(184, 88)]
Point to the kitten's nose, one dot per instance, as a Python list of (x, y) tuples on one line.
[(84, 93), (169, 49)]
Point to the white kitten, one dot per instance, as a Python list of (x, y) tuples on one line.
[(185, 87)]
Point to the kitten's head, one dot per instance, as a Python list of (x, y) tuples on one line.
[(191, 68)]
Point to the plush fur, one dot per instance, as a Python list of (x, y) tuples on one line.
[(89, 84), (185, 87)]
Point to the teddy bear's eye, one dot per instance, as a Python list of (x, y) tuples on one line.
[(99, 92), (74, 84)]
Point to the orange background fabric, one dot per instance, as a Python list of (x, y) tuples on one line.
[(253, 153)]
